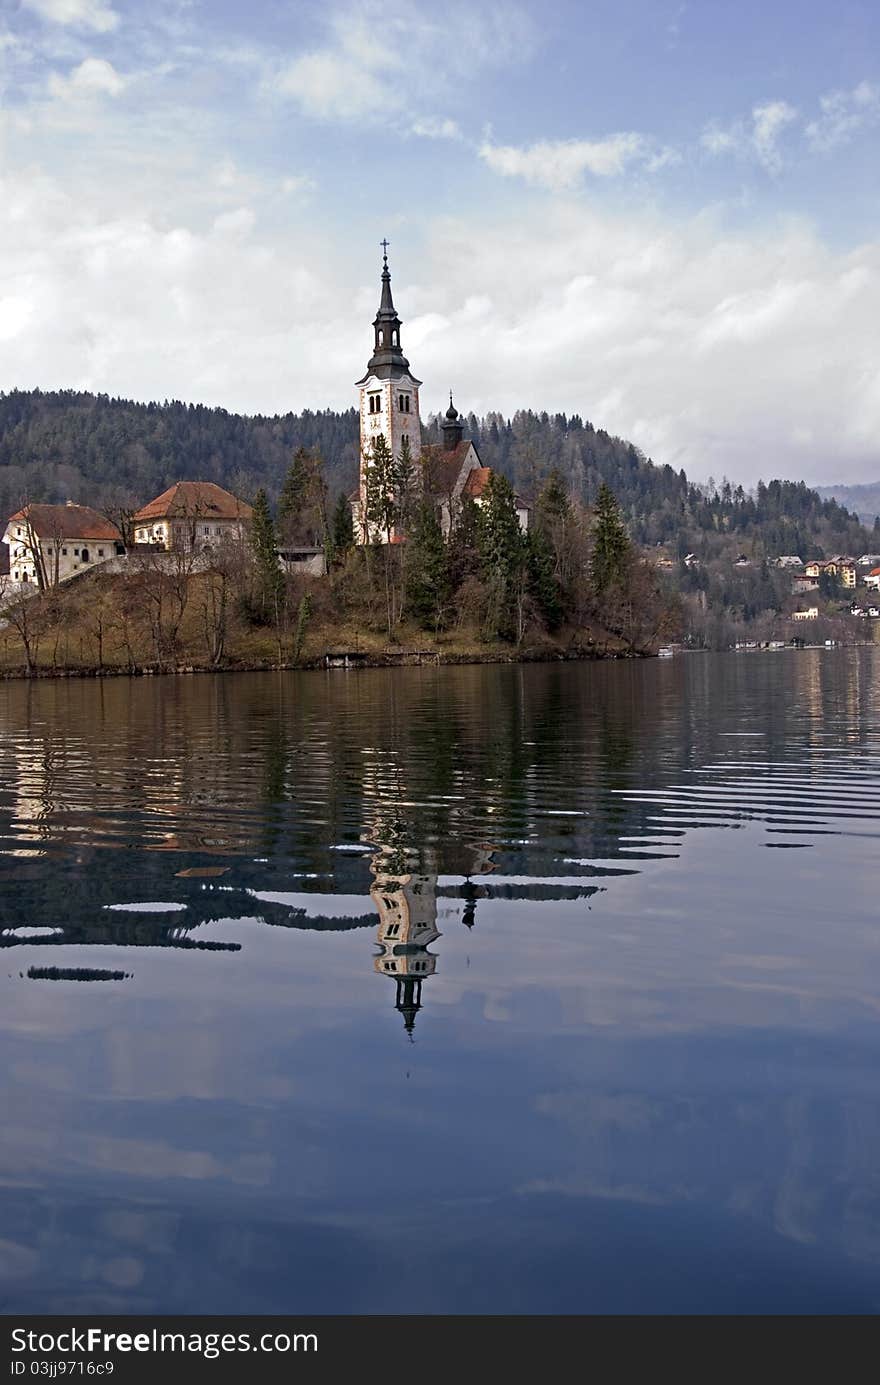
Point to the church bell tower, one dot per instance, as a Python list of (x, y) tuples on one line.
[(389, 393)]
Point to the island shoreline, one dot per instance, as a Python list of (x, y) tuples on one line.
[(322, 663)]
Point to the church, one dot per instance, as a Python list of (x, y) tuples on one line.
[(389, 408)]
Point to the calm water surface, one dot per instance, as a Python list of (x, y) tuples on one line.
[(508, 989)]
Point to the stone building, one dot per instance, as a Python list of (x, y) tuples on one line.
[(49, 544), (191, 514)]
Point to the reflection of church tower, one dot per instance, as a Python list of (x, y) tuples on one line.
[(407, 905)]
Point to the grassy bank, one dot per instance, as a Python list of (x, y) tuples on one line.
[(112, 625)]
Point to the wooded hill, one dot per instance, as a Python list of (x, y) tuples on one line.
[(59, 445), (862, 499)]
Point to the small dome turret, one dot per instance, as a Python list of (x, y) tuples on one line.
[(452, 427)]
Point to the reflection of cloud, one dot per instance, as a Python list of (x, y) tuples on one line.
[(666, 1149), (17, 1261)]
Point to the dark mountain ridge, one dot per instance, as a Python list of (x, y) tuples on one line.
[(68, 444)]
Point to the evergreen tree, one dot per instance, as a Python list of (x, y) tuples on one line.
[(428, 585), (543, 583), (555, 523), (611, 544), (382, 511), (404, 480), (464, 541), (343, 527), (264, 546), (504, 559), (553, 505), (295, 490)]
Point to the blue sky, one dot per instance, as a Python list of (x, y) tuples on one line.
[(661, 216)]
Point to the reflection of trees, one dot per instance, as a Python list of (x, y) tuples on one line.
[(109, 787), (75, 974)]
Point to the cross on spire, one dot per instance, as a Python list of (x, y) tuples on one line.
[(385, 244)]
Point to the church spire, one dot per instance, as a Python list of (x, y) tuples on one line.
[(386, 303), (387, 359)]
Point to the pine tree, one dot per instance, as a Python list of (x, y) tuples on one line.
[(464, 541), (553, 505), (295, 490), (611, 544), (264, 545), (381, 489), (503, 555), (554, 519), (543, 584), (405, 482), (343, 527), (428, 586)]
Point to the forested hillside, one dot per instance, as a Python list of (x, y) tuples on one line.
[(863, 500), (58, 445)]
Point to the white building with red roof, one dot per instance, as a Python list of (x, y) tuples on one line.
[(191, 514), (50, 543)]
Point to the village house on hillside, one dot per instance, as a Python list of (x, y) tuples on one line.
[(389, 409), (844, 569), (191, 514), (48, 544)]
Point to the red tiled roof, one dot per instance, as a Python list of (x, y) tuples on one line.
[(67, 522), (194, 500), (444, 468), (477, 481)]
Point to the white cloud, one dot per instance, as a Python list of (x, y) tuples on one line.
[(382, 57), (93, 77), (87, 14), (666, 157), (434, 127), (338, 86), (718, 141), (768, 122), (843, 114), (295, 183), (752, 354), (239, 222), (756, 139), (561, 164)]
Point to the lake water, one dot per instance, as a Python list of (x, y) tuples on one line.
[(499, 989)]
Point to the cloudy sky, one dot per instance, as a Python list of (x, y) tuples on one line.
[(662, 216)]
